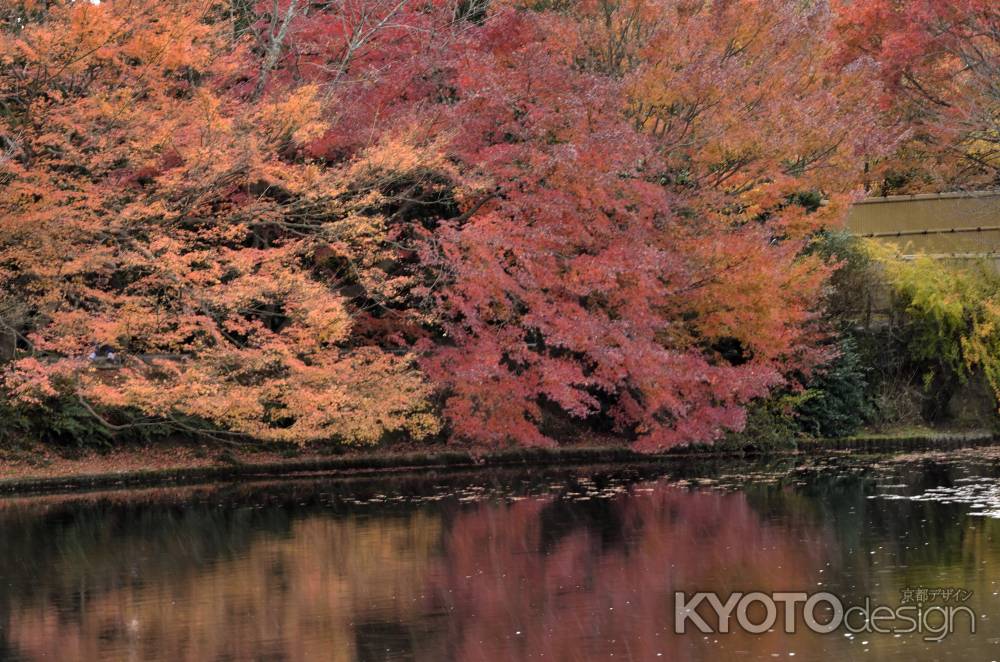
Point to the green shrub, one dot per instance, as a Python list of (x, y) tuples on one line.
[(854, 286), (63, 421), (770, 425), (839, 398)]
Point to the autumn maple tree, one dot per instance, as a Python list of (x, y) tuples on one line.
[(648, 274), (940, 62), (302, 220), (153, 205)]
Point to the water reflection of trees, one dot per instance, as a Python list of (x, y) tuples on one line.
[(296, 594), (589, 595), (296, 574), (446, 581)]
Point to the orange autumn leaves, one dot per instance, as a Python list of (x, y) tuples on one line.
[(308, 222), (147, 208)]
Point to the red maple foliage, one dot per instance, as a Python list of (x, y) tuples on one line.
[(305, 220), (940, 62)]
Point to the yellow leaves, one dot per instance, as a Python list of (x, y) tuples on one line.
[(983, 147), (954, 310), (329, 323), (298, 116), (355, 398), (931, 285), (209, 109), (311, 177), (415, 147)]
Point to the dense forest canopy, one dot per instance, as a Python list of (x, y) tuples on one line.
[(298, 220)]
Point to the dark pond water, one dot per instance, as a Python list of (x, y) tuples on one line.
[(571, 564)]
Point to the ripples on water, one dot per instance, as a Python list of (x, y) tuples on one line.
[(572, 564)]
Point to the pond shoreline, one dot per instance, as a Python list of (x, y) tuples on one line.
[(129, 468)]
